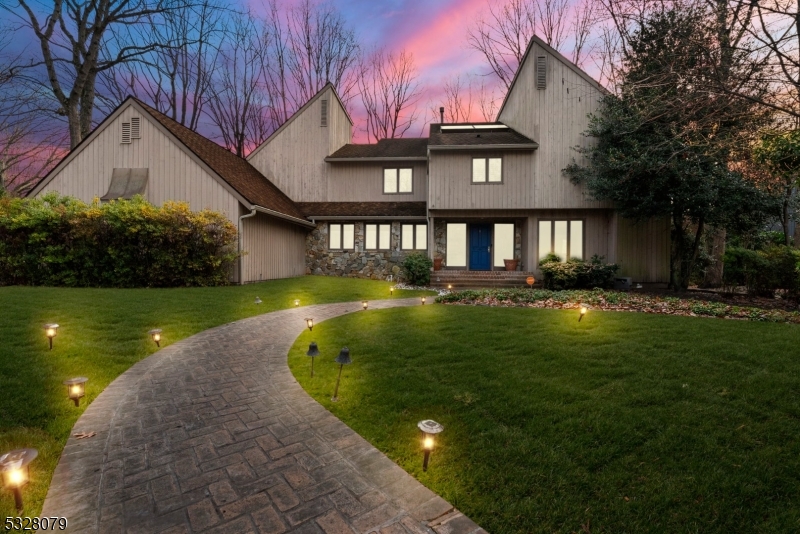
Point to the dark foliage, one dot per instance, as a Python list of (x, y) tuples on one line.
[(577, 274), (417, 269)]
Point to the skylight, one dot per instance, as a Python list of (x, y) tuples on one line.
[(469, 127)]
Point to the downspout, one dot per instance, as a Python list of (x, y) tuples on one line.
[(241, 244)]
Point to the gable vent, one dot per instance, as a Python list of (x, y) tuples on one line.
[(541, 72), (135, 128), (324, 118), (126, 133)]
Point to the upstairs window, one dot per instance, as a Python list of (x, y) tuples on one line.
[(397, 181), (487, 170), (378, 236), (562, 238), (414, 237), (341, 236)]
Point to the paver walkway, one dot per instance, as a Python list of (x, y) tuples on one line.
[(213, 434)]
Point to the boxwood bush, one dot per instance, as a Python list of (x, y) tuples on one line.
[(61, 241), (417, 269), (577, 274)]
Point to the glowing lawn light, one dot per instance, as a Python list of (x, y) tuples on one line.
[(423, 300), (364, 304), (310, 324), (257, 301), (391, 291), (584, 309), (313, 351), (342, 359), (156, 335), (296, 302), (449, 286), (14, 468), (51, 330), (76, 388), (429, 430)]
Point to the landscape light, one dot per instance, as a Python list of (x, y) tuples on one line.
[(297, 302), (51, 330), (313, 351), (429, 430), (584, 309), (76, 388), (310, 323), (364, 304), (423, 301), (155, 333), (391, 291), (342, 359), (258, 301), (449, 286), (14, 468)]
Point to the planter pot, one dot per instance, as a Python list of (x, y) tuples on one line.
[(437, 264), (511, 265)]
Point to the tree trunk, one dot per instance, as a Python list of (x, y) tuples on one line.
[(716, 249)]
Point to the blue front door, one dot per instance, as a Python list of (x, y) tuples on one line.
[(480, 247)]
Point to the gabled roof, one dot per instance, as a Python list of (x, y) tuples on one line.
[(384, 149), (556, 54), (242, 179), (485, 135), (363, 209), (300, 112)]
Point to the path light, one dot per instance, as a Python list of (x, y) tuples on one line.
[(258, 301), (313, 351), (530, 281), (14, 468), (51, 330), (449, 286), (429, 429), (297, 302), (391, 291), (155, 333), (423, 301), (310, 323), (364, 304), (76, 388), (342, 359), (584, 309)]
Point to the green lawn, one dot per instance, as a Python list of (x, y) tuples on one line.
[(103, 332), (624, 422)]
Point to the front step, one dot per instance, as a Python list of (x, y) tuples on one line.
[(480, 279)]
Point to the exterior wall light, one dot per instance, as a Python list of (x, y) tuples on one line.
[(429, 430), (313, 351), (14, 468), (155, 333), (310, 324), (364, 304), (257, 301), (423, 301), (296, 302), (584, 309), (51, 330), (76, 388), (342, 359)]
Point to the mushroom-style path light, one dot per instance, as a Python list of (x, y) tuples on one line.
[(155, 333), (310, 324), (449, 286), (423, 300), (313, 351), (364, 304), (14, 468), (257, 301), (296, 302), (584, 309), (429, 429), (51, 330), (391, 291), (342, 359), (76, 388)]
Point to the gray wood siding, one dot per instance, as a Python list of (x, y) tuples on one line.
[(294, 158), (274, 248), (363, 182), (554, 117), (643, 250), (173, 174), (451, 184)]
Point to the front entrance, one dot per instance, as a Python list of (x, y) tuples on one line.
[(480, 247)]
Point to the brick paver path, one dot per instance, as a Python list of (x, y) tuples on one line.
[(213, 434)]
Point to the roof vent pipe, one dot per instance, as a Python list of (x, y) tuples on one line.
[(441, 115)]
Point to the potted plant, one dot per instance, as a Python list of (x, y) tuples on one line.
[(437, 262), (511, 265)]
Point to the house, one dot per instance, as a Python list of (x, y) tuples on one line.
[(308, 200)]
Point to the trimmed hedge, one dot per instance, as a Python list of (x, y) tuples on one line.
[(577, 274), (61, 241), (763, 272)]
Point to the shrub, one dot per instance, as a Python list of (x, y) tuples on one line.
[(763, 272), (61, 241), (577, 274), (417, 269)]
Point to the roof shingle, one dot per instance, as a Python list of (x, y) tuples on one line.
[(363, 209), (503, 135), (385, 148)]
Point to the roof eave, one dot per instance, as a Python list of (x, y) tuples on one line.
[(280, 215), (373, 159), (367, 217), (526, 146)]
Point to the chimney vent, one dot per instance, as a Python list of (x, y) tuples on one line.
[(441, 115)]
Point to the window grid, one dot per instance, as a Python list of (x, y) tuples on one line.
[(341, 236), (487, 170), (378, 237), (414, 237), (573, 238), (398, 181)]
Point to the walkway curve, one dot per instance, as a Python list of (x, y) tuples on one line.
[(214, 434)]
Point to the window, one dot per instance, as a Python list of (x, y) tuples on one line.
[(487, 170), (563, 238), (503, 248), (456, 245), (323, 121), (378, 237), (397, 181), (341, 236), (414, 237)]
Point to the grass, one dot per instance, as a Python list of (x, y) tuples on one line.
[(103, 332), (624, 422)]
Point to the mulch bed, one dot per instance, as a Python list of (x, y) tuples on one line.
[(709, 304)]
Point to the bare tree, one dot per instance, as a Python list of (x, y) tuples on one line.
[(553, 21), (389, 93), (236, 99), (457, 103), (487, 102)]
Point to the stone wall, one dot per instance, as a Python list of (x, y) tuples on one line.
[(357, 263)]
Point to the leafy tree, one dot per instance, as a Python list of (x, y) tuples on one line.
[(779, 155), (663, 144)]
